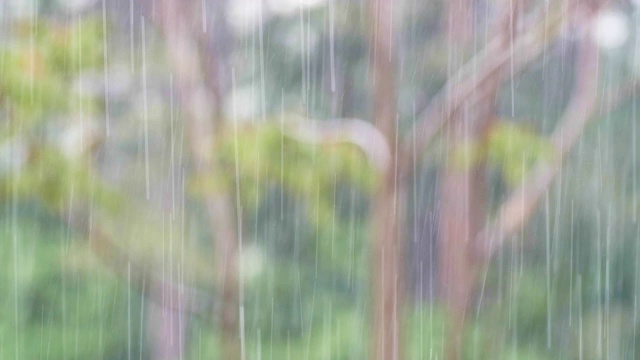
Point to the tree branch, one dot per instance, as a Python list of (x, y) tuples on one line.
[(520, 205), (472, 76), (353, 131)]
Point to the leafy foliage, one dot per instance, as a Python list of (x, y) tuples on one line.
[(50, 308), (37, 164), (511, 148), (516, 150), (71, 313), (265, 153)]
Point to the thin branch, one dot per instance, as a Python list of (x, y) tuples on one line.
[(520, 205), (471, 77), (353, 131)]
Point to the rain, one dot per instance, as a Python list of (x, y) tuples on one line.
[(319, 179)]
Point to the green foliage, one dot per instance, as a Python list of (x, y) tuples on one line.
[(265, 153), (426, 332), (39, 64), (516, 150), (428, 328), (302, 296), (467, 154), (38, 71), (337, 334), (75, 47), (51, 309), (53, 179), (29, 85)]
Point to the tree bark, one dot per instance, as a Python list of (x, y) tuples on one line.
[(515, 211), (462, 195), (387, 274), (466, 82), (462, 213), (202, 109)]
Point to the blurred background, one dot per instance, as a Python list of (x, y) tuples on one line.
[(319, 179)]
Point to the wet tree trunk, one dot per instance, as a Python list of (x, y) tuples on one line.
[(462, 215), (201, 96), (462, 188), (387, 264)]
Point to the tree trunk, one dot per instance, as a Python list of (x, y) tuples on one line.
[(387, 274), (462, 214), (202, 104), (166, 321), (460, 194), (463, 186)]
